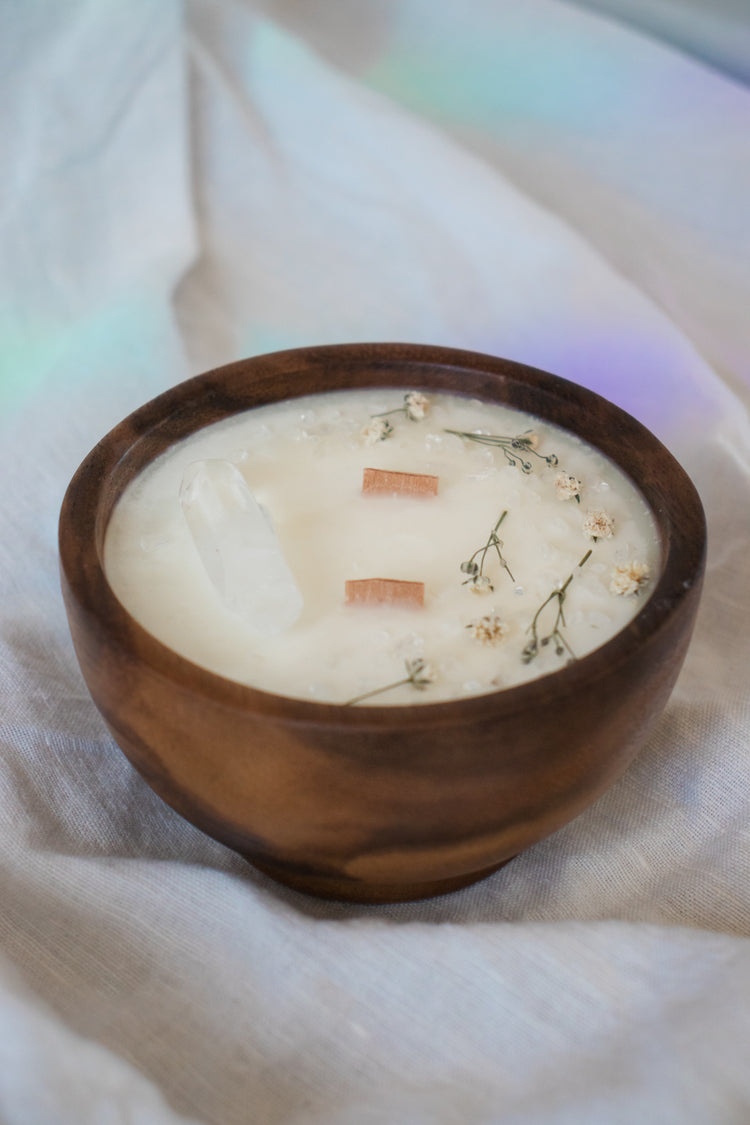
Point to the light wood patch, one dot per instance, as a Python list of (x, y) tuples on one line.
[(384, 591), (387, 482)]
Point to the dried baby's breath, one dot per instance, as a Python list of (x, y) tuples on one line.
[(488, 630), (377, 429), (416, 406), (629, 578), (567, 487), (598, 525)]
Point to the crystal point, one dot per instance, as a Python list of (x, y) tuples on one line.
[(238, 546)]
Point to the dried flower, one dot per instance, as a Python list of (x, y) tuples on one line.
[(489, 630), (418, 673), (416, 406), (555, 634), (598, 525), (377, 429), (479, 584), (530, 438), (567, 487), (629, 578), (477, 581), (512, 447)]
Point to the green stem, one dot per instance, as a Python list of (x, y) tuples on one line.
[(492, 541), (385, 413), (377, 691), (555, 633), (512, 448)]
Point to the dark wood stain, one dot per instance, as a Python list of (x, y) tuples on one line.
[(378, 804)]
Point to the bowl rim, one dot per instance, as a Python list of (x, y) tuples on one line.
[(90, 498)]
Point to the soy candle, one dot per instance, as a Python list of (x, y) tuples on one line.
[(523, 547)]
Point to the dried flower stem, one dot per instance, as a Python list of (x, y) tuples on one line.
[(512, 447), (415, 408), (387, 413), (532, 648), (475, 569), (418, 674)]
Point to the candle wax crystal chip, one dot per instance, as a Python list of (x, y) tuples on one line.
[(238, 546)]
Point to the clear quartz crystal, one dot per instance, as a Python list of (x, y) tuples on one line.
[(239, 549)]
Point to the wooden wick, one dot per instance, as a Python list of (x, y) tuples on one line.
[(384, 591), (387, 482)]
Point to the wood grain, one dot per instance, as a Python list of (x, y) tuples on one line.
[(389, 482), (384, 591), (378, 804)]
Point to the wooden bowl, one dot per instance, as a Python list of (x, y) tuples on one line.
[(378, 804)]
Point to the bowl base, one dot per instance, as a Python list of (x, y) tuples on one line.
[(353, 890)]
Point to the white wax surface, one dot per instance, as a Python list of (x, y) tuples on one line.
[(303, 461)]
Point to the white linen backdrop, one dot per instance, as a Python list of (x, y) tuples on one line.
[(186, 184)]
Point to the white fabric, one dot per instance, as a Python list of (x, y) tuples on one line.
[(715, 31), (183, 186)]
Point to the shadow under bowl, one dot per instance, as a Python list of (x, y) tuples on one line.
[(373, 803)]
